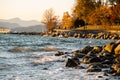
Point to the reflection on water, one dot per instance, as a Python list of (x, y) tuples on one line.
[(24, 57)]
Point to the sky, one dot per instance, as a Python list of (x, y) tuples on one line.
[(32, 9)]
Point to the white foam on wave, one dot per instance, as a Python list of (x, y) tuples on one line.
[(46, 57)]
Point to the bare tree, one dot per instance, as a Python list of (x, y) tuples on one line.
[(50, 19)]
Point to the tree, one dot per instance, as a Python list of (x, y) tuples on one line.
[(83, 8), (115, 18), (50, 19), (101, 16), (67, 21)]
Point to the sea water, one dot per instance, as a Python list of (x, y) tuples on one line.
[(30, 57)]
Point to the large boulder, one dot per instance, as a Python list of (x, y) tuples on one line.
[(72, 62), (110, 47), (86, 49), (97, 49), (105, 55), (77, 54), (117, 49), (116, 68), (90, 59)]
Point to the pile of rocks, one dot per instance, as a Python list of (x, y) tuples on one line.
[(101, 35), (97, 58)]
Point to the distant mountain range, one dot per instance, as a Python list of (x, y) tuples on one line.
[(18, 25), (21, 22), (35, 28)]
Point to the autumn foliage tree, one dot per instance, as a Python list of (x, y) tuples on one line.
[(50, 19), (101, 16), (67, 21), (83, 8), (115, 18)]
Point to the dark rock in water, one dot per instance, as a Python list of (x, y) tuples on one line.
[(100, 76), (90, 59), (92, 53), (111, 71), (72, 62), (77, 54), (95, 59), (86, 49), (75, 35), (105, 55), (105, 74), (108, 62), (45, 68), (86, 59), (94, 70), (79, 67), (116, 74), (59, 53)]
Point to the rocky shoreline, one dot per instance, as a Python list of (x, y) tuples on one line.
[(96, 34), (82, 34), (104, 59)]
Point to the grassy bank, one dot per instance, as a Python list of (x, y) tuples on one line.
[(91, 28)]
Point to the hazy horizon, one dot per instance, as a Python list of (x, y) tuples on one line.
[(32, 9)]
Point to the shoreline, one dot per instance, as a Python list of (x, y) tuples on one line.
[(104, 59), (95, 34)]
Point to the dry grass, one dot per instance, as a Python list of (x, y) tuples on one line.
[(92, 27)]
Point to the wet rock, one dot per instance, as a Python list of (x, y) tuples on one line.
[(97, 65), (90, 59), (72, 62), (75, 35), (105, 55), (59, 53), (66, 35), (45, 68), (116, 67), (117, 49), (105, 74), (94, 68), (108, 62), (117, 59), (79, 67), (97, 49), (92, 53), (111, 71), (110, 47), (86, 59), (77, 54), (86, 49), (116, 74), (99, 76)]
